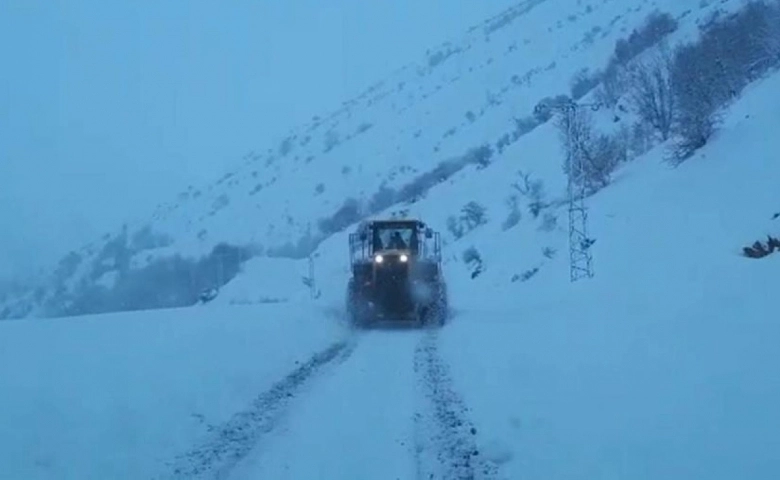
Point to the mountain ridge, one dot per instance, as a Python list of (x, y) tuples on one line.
[(482, 89)]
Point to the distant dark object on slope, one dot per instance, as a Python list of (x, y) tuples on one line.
[(208, 295), (760, 250)]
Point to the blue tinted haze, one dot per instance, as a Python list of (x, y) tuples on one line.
[(108, 108)]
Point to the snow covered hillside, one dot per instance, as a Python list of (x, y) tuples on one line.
[(661, 366), (468, 102)]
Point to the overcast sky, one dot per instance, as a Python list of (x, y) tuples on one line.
[(109, 107)]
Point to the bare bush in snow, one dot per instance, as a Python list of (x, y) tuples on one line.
[(533, 190), (349, 213), (613, 86), (614, 83), (454, 226), (473, 259), (514, 216), (652, 95), (710, 72), (473, 215)]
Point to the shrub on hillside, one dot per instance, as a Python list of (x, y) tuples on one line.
[(549, 222), (523, 125), (710, 72), (472, 215), (114, 256), (533, 190), (473, 260), (67, 267), (424, 182), (383, 198), (525, 276), (167, 282), (455, 227), (514, 216), (146, 239), (656, 26), (613, 85), (583, 82), (331, 140), (479, 156), (640, 139), (771, 33), (654, 29), (349, 213)]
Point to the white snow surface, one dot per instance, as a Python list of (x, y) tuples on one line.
[(661, 366), (120, 395)]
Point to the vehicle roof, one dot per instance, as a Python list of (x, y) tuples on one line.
[(405, 222)]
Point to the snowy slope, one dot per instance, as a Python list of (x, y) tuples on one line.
[(660, 366), (462, 95)]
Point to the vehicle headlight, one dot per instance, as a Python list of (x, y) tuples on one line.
[(379, 259), (404, 258)]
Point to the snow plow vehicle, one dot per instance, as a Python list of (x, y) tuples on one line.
[(396, 275)]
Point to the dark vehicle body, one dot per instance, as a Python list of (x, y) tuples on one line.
[(396, 274)]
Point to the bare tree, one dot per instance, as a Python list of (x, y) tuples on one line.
[(613, 86), (771, 33), (652, 94), (697, 93)]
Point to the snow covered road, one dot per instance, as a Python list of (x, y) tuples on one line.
[(381, 405), (354, 422), (237, 437)]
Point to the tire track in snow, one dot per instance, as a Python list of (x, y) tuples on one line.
[(234, 439), (445, 440)]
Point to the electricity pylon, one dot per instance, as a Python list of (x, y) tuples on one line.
[(580, 257)]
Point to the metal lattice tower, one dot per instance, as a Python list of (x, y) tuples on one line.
[(580, 257)]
